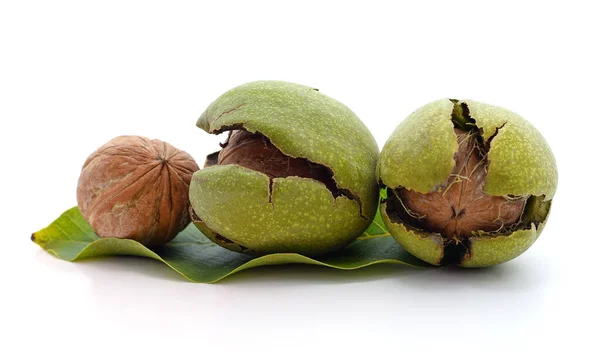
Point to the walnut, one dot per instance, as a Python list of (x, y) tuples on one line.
[(297, 174), (136, 188), (467, 183)]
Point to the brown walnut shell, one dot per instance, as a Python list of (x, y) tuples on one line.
[(462, 206), (255, 151), (136, 188)]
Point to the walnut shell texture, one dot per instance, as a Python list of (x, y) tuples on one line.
[(461, 207), (136, 188), (255, 151)]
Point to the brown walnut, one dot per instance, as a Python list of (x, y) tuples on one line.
[(136, 188), (255, 151), (461, 206)]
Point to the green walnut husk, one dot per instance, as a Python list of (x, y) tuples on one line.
[(515, 164), (256, 210)]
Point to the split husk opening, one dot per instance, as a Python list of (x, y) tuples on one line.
[(459, 209)]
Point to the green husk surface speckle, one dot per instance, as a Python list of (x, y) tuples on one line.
[(520, 159), (490, 250), (426, 246), (300, 216), (419, 153)]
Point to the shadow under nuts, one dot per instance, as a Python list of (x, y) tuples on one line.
[(136, 188), (296, 174), (467, 183)]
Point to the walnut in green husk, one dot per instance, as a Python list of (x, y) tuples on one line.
[(296, 175), (467, 183)]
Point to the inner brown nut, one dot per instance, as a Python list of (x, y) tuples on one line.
[(461, 206), (255, 151)]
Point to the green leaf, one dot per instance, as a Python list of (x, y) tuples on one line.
[(195, 257)]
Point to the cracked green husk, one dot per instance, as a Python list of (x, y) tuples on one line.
[(419, 156), (237, 208)]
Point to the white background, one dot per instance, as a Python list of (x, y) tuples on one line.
[(75, 74)]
